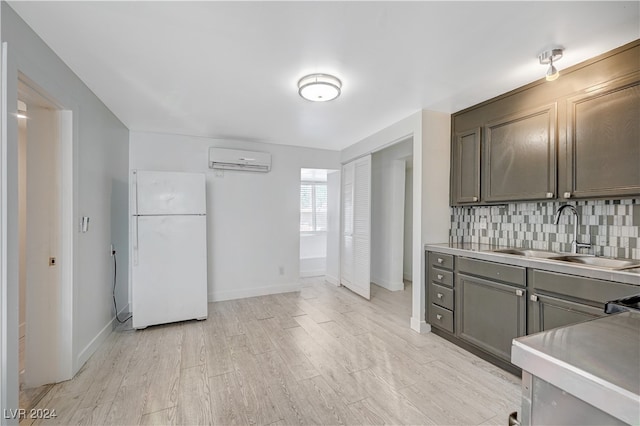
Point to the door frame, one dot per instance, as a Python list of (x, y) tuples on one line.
[(64, 306), (4, 363)]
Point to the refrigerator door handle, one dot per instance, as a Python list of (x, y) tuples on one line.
[(134, 232)]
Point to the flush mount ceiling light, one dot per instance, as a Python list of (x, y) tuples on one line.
[(548, 57), (319, 87)]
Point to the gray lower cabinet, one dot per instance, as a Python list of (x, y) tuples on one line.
[(547, 312), (557, 300), (482, 306), (489, 314), (440, 292)]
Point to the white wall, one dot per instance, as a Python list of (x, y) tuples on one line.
[(253, 218), (431, 219), (387, 214), (100, 166), (436, 152), (408, 223)]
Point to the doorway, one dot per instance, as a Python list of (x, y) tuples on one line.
[(391, 216), (44, 241), (319, 223)]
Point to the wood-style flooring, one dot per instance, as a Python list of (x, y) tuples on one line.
[(319, 356)]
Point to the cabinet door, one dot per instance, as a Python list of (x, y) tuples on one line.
[(520, 156), (603, 140), (466, 167), (489, 315), (547, 312)]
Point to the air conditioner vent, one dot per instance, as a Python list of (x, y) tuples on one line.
[(233, 159)]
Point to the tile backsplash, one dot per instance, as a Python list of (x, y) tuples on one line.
[(611, 226)]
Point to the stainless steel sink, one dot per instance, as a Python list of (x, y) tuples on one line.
[(600, 262), (543, 254), (597, 262)]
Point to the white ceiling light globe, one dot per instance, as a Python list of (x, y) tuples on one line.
[(319, 87)]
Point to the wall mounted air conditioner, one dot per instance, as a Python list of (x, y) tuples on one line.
[(233, 159)]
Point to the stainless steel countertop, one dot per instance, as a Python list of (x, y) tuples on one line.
[(484, 252), (597, 361)]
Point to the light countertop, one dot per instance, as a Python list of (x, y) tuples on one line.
[(484, 252), (597, 361)]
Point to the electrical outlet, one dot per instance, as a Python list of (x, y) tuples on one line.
[(112, 250), (281, 270)]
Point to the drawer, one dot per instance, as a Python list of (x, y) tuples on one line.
[(441, 318), (590, 289), (442, 296), (493, 271), (441, 260), (441, 276)]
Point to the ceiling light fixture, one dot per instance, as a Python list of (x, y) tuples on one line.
[(548, 57), (319, 87)]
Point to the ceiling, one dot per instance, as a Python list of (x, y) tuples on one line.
[(229, 69)]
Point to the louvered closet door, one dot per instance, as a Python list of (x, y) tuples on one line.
[(356, 237), (346, 249)]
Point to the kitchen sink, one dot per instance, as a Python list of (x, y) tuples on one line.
[(600, 262), (542, 254)]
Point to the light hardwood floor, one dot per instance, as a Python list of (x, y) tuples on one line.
[(319, 356)]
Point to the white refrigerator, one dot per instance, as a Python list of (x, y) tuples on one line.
[(168, 247)]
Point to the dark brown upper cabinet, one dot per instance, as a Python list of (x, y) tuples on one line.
[(603, 140), (576, 137), (520, 156), (465, 182)]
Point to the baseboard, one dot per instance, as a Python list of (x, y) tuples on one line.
[(22, 330), (95, 343), (387, 284), (407, 277), (420, 326), (312, 273), (332, 280), (218, 296)]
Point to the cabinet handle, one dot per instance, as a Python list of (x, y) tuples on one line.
[(440, 295), (440, 276), (549, 194), (567, 195), (440, 260), (438, 316), (474, 199), (533, 298), (519, 293)]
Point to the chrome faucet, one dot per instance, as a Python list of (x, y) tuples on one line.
[(575, 245)]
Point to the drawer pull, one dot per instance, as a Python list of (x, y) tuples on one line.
[(474, 199), (533, 298), (440, 295), (519, 293), (440, 260), (549, 194), (567, 195), (438, 316), (440, 276)]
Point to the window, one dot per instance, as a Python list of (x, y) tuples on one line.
[(313, 207)]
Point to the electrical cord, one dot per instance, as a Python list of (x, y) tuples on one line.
[(115, 274)]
